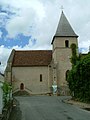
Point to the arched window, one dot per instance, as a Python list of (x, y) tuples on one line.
[(40, 77), (21, 86), (66, 43), (67, 74)]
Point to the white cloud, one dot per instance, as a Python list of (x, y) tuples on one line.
[(85, 45), (34, 19), (2, 19), (27, 16), (45, 29), (39, 18), (4, 54), (17, 25)]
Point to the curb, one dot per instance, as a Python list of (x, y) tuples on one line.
[(79, 104)]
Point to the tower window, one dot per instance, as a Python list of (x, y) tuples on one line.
[(67, 72), (40, 77), (66, 43)]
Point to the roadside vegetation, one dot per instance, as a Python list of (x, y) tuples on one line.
[(79, 76), (6, 93)]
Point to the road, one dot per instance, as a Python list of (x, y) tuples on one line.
[(47, 108)]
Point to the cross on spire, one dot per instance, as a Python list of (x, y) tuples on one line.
[(62, 7)]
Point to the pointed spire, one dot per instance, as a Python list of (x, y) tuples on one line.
[(64, 28)]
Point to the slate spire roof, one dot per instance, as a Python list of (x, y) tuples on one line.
[(64, 28)]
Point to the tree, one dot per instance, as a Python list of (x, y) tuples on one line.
[(6, 92), (79, 79)]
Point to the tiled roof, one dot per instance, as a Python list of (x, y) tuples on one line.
[(32, 58), (64, 28)]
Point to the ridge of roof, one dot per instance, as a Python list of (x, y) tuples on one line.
[(31, 50)]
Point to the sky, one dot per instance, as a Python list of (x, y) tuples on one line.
[(31, 24)]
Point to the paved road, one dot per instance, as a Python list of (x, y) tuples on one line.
[(47, 108)]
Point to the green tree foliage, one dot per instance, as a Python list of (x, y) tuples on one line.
[(6, 92), (74, 57), (79, 79)]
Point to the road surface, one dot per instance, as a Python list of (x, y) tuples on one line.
[(47, 108)]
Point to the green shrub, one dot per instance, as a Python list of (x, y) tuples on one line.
[(79, 79), (6, 92)]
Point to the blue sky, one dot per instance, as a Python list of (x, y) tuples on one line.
[(31, 24), (19, 40)]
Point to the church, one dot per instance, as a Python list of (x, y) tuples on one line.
[(37, 71)]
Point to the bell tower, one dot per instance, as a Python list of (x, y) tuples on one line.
[(62, 40)]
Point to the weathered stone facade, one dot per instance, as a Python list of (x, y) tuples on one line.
[(30, 77), (61, 56), (39, 75)]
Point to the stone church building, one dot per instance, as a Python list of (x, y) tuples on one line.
[(37, 71)]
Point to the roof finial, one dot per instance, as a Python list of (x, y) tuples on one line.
[(62, 8)]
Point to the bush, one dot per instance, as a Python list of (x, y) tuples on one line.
[(6, 92), (79, 79)]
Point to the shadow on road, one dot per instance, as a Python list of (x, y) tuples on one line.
[(16, 113)]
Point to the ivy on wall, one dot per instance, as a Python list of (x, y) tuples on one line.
[(79, 76)]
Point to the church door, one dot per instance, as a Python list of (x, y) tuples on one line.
[(21, 86)]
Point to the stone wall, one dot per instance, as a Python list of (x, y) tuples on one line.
[(30, 77), (61, 56)]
